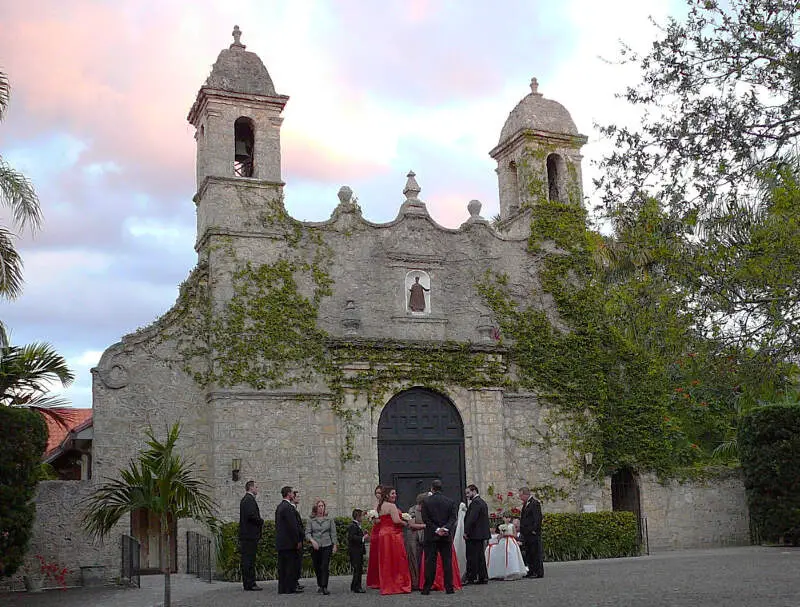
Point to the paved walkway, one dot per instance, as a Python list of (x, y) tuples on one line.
[(729, 577)]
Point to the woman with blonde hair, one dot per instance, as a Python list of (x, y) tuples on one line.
[(321, 532)]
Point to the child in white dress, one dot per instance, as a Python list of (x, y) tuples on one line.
[(503, 556)]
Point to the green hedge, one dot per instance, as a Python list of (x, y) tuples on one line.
[(589, 535), (769, 449), (566, 537), (24, 436), (229, 561)]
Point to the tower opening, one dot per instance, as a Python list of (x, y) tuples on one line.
[(555, 178), (244, 140), (513, 186)]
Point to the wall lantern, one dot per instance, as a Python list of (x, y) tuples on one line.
[(236, 466)]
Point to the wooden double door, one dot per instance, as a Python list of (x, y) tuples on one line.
[(420, 439)]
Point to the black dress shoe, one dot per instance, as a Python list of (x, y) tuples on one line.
[(300, 587), (254, 588), (482, 582), (450, 591), (359, 590), (297, 590), (425, 591), (325, 591)]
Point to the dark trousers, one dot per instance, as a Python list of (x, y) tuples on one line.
[(444, 547), (321, 559), (476, 562), (534, 555), (298, 566), (357, 563), (248, 550), (287, 579)]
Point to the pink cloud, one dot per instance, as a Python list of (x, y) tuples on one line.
[(121, 84), (304, 159)]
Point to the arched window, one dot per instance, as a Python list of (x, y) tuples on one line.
[(244, 139), (513, 187), (555, 178)]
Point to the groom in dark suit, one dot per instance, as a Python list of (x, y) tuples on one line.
[(530, 528), (439, 515), (476, 532), (288, 541)]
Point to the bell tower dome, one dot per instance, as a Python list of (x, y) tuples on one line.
[(237, 117), (538, 155)]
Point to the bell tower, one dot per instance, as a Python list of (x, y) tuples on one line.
[(237, 117), (538, 155)]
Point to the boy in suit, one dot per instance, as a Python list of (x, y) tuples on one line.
[(355, 546)]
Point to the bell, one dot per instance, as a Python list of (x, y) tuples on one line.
[(242, 150)]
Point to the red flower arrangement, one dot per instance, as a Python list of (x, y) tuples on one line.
[(53, 571)]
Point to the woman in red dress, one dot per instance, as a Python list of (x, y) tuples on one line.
[(373, 579), (394, 577)]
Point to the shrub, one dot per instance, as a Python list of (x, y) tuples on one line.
[(769, 449), (566, 537), (24, 436), (229, 558), (589, 535)]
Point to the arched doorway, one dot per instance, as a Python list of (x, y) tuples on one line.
[(421, 438), (625, 496)]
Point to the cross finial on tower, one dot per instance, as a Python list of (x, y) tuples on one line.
[(237, 34), (412, 189), (535, 87)]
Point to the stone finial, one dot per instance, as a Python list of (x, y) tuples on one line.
[(345, 195), (237, 34), (474, 208), (412, 189), (535, 87)]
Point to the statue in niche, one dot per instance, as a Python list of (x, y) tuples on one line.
[(416, 300)]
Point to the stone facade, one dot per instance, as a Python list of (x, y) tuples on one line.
[(695, 514), (292, 433), (59, 537)]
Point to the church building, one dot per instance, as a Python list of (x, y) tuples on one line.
[(334, 355)]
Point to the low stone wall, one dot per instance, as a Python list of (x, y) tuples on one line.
[(705, 513), (59, 537)]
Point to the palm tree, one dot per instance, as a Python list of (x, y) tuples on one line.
[(26, 374), (16, 193), (159, 481)]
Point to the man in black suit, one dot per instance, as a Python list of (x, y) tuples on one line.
[(250, 526), (288, 541), (530, 528), (298, 563), (439, 515), (476, 532), (356, 550)]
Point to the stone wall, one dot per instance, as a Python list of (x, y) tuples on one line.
[(59, 537), (695, 514)]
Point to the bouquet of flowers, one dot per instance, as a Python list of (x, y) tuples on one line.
[(372, 513), (405, 516)]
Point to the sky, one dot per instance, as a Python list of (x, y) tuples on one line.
[(101, 90)]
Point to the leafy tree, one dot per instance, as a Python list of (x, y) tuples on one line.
[(715, 151), (16, 193), (160, 481), (24, 439)]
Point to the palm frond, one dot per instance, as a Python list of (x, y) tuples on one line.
[(159, 481), (10, 266), (5, 94), (17, 193), (28, 369)]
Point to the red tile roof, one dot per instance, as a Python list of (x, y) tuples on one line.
[(57, 433)]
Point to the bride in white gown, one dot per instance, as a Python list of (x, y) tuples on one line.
[(458, 541), (503, 556)]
